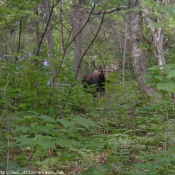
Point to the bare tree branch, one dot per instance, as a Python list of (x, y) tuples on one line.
[(19, 39), (93, 62), (124, 52), (109, 11), (169, 37), (90, 43), (65, 48), (45, 30)]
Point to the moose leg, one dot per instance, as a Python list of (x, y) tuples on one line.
[(101, 89), (102, 93)]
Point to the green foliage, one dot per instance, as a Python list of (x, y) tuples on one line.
[(162, 77), (160, 8), (62, 128), (67, 128)]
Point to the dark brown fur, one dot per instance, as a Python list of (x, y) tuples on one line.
[(95, 79)]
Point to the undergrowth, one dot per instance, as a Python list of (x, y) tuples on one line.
[(67, 131)]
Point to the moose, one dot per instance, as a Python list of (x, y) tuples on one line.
[(96, 80)]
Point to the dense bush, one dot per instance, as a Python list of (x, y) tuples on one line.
[(67, 130)]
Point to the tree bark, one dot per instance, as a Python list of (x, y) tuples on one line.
[(158, 36), (50, 43), (140, 61), (157, 33), (77, 19), (158, 43), (37, 30)]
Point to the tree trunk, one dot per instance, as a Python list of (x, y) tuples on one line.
[(158, 40), (37, 30), (50, 43), (140, 61), (77, 19), (158, 43), (157, 33)]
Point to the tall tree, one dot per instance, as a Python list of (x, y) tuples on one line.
[(157, 34), (157, 30), (37, 29), (77, 26), (140, 61), (50, 42)]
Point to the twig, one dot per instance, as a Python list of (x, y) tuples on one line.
[(65, 48), (19, 39), (93, 62), (109, 11), (169, 36), (45, 30), (90, 44), (124, 52)]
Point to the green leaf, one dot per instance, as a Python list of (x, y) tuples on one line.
[(171, 13), (170, 87), (65, 143), (171, 66), (159, 77), (49, 129), (171, 74), (43, 129), (46, 142), (46, 118), (148, 3), (87, 123), (157, 67), (147, 75), (66, 123), (157, 25), (25, 141), (23, 129)]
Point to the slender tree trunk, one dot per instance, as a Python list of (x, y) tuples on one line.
[(19, 39), (124, 51), (140, 61), (77, 18), (37, 31), (158, 43), (157, 33), (158, 36), (50, 43)]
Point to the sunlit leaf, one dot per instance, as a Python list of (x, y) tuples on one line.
[(46, 118), (65, 143), (46, 142), (66, 123), (171, 74), (25, 140), (170, 87), (87, 123)]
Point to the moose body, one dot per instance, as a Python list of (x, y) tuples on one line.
[(96, 80)]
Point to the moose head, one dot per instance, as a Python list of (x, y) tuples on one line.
[(96, 80)]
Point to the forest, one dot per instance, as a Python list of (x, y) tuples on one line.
[(52, 123)]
